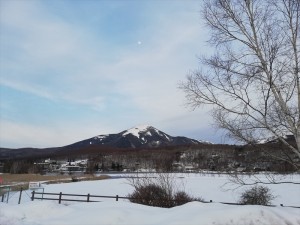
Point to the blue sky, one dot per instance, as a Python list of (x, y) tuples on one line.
[(70, 70)]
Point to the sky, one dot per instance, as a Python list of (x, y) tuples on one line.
[(74, 69)]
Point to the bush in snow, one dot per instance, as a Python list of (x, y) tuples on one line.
[(152, 195), (182, 197), (160, 191), (257, 195)]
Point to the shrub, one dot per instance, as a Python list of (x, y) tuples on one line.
[(161, 191), (182, 197), (152, 195), (257, 195)]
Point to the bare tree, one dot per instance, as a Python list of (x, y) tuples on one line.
[(252, 80)]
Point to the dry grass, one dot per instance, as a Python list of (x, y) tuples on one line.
[(16, 181)]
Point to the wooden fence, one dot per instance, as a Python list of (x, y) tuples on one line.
[(91, 198), (87, 198)]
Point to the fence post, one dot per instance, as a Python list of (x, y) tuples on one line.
[(43, 194), (2, 200), (20, 196), (32, 196), (117, 197), (7, 196), (59, 200), (88, 197)]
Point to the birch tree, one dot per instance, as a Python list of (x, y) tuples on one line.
[(252, 78)]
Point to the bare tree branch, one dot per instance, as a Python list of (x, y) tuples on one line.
[(253, 78)]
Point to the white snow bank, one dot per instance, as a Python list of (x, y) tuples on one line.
[(116, 213)]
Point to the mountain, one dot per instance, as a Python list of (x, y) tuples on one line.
[(136, 137)]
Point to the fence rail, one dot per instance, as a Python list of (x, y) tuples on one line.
[(87, 198)]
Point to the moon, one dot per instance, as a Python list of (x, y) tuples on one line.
[(139, 42)]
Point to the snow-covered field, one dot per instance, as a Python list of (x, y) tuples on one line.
[(109, 211)]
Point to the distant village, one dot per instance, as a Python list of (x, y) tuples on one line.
[(179, 161)]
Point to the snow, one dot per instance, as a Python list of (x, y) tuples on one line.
[(127, 213), (136, 130), (265, 140), (110, 211), (148, 134), (144, 140), (101, 137), (205, 142), (167, 137), (269, 139)]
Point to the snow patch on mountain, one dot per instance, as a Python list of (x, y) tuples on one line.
[(135, 131), (169, 139), (205, 142), (100, 137), (274, 139)]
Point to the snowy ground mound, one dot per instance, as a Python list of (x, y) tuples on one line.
[(50, 213)]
